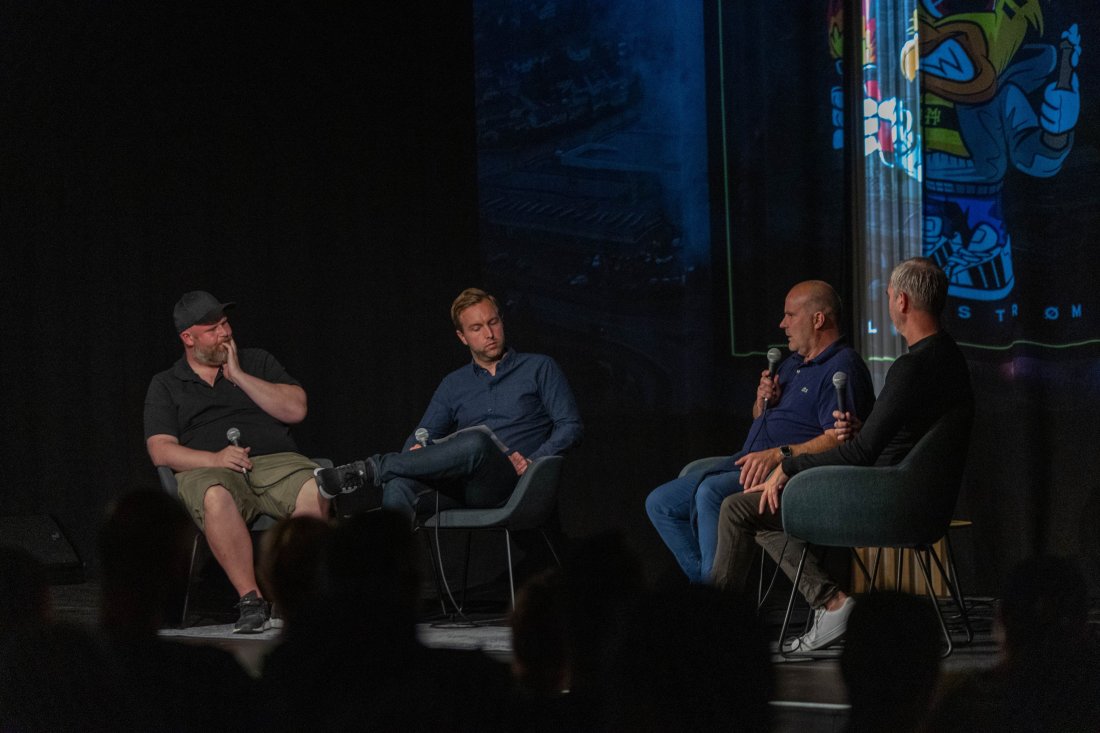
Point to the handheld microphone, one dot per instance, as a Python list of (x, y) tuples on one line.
[(840, 382), (234, 436), (774, 357), (421, 436)]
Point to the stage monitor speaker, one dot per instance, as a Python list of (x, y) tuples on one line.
[(40, 535)]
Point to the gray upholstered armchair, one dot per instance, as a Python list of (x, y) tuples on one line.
[(908, 505), (532, 505)]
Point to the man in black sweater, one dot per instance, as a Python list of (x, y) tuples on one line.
[(921, 387)]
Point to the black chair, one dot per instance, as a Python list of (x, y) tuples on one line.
[(531, 506), (905, 506), (199, 549)]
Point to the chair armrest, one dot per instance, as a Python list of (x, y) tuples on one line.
[(168, 481), (859, 506), (531, 502), (711, 463)]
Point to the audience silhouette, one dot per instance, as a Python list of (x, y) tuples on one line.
[(57, 677), (144, 550), (593, 650), (290, 563), (49, 673), (24, 593), (351, 659), (1048, 678), (692, 659), (890, 662), (566, 621)]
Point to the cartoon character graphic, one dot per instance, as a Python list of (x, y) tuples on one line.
[(980, 85), (891, 131)]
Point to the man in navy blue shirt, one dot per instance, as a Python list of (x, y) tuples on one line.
[(485, 424), (922, 386), (792, 415)]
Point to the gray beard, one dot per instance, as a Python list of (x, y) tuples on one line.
[(211, 357)]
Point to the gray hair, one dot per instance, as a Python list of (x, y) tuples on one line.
[(923, 281)]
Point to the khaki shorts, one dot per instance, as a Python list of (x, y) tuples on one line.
[(272, 489)]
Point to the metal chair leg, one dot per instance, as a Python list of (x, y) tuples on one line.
[(960, 598), (760, 582), (790, 602), (434, 557), (953, 589), (918, 555), (466, 571), (190, 580), (863, 568), (550, 544), (511, 579), (874, 570)]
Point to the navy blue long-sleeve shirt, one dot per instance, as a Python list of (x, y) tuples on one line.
[(527, 404)]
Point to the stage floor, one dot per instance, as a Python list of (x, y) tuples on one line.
[(809, 698)]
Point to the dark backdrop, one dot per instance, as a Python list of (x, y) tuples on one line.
[(313, 165), (317, 165)]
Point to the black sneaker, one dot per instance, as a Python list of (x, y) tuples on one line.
[(332, 482), (253, 617)]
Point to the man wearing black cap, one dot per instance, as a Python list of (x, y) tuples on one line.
[(219, 418)]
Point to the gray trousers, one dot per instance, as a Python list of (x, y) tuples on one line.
[(740, 526)]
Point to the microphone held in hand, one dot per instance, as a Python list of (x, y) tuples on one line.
[(234, 436), (421, 436), (774, 357), (840, 382)]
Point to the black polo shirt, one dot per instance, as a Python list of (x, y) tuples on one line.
[(180, 403)]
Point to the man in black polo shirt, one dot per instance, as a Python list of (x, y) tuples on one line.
[(226, 481)]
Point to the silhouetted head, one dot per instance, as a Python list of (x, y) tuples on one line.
[(290, 562), (144, 553), (891, 660), (692, 659), (542, 642), (24, 592), (1044, 608), (371, 565)]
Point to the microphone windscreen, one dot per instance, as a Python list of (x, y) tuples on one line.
[(232, 435), (774, 357), (840, 382), (421, 436)]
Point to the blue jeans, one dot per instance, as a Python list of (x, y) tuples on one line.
[(468, 470), (685, 513)]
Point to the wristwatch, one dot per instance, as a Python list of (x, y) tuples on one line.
[(785, 450)]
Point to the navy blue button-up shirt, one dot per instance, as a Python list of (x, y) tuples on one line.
[(527, 404)]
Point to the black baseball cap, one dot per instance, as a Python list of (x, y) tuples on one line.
[(198, 306)]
